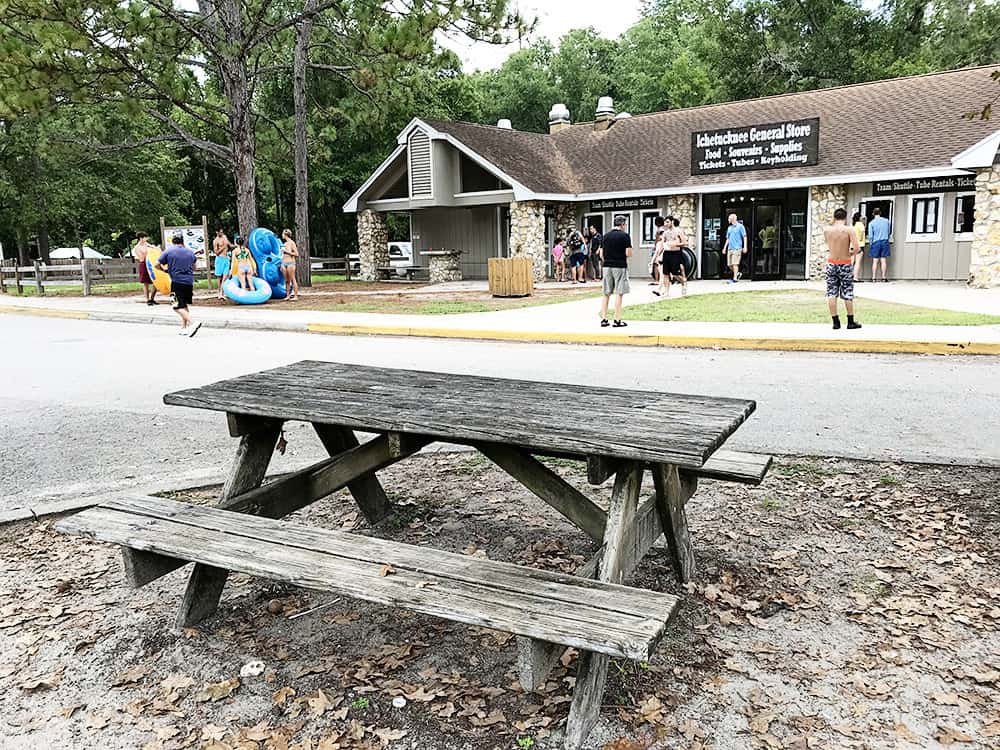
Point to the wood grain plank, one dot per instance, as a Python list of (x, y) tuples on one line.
[(204, 588), (670, 499), (548, 486), (592, 666), (577, 612), (669, 428)]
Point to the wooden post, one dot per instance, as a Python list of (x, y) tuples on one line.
[(3, 277), (592, 671), (17, 278), (85, 275), (670, 499), (208, 258), (367, 491), (163, 234), (252, 458), (38, 279), (347, 267)]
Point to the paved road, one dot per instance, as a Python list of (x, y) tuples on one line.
[(81, 404)]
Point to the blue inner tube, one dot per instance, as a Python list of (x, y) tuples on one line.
[(266, 248), (258, 295)]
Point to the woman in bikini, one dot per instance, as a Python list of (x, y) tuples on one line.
[(289, 254)]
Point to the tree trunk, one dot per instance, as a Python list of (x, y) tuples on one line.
[(23, 253), (43, 229), (225, 19), (300, 62)]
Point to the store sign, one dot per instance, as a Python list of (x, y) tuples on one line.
[(622, 204), (771, 146), (925, 185)]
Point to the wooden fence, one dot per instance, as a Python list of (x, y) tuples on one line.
[(88, 273)]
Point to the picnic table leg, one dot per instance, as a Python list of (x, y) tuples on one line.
[(367, 490), (592, 671), (252, 458), (671, 495)]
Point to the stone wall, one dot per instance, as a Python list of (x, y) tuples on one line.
[(823, 201), (445, 267), (685, 208), (984, 265), (373, 243), (565, 220), (527, 234)]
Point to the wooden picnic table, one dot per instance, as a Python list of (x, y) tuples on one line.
[(623, 433)]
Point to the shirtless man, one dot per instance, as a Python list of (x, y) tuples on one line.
[(842, 241), (139, 252), (221, 247)]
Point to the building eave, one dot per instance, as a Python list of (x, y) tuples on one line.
[(978, 155)]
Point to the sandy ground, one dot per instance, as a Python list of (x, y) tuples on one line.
[(838, 605)]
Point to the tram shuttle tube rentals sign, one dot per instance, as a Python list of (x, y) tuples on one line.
[(794, 143)]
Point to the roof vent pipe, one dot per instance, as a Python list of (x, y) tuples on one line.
[(605, 111), (504, 124), (558, 118)]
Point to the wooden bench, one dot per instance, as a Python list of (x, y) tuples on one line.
[(557, 608)]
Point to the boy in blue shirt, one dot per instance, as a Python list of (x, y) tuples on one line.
[(178, 261), (735, 247), (878, 242)]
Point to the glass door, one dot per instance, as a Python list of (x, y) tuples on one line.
[(765, 242)]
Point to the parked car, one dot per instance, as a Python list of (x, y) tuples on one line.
[(400, 256)]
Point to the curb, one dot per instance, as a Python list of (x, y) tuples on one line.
[(858, 346)]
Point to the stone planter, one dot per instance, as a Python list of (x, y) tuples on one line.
[(444, 265)]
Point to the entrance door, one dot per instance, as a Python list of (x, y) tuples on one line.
[(765, 243)]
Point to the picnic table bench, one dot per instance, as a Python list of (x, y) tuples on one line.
[(511, 422), (386, 273)]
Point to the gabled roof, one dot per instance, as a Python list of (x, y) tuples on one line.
[(896, 127)]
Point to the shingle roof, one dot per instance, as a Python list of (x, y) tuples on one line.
[(886, 126)]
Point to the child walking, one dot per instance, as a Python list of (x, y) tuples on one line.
[(559, 261)]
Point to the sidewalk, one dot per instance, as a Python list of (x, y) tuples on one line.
[(576, 322)]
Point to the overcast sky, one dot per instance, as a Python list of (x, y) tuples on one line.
[(555, 18)]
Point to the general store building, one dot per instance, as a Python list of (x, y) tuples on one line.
[(783, 164)]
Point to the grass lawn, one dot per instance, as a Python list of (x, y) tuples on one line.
[(794, 306), (95, 289)]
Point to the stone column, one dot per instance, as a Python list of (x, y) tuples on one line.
[(823, 201), (685, 208), (373, 243), (527, 233), (565, 220), (984, 265)]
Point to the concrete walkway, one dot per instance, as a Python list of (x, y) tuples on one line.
[(577, 322)]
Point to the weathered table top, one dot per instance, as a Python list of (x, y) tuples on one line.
[(617, 423)]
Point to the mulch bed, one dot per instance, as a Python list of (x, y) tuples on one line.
[(839, 605)]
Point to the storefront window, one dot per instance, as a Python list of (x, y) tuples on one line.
[(649, 227), (924, 218), (965, 213)]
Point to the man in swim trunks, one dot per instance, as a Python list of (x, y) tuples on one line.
[(221, 247), (842, 242), (139, 252)]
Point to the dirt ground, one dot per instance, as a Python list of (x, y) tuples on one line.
[(838, 605)]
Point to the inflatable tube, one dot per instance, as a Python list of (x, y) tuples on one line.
[(161, 279), (258, 295), (690, 261), (266, 249)]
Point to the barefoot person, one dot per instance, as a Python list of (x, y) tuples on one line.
[(289, 256), (615, 251), (735, 247), (221, 247), (139, 252), (178, 261), (558, 261), (859, 229), (842, 241), (244, 267)]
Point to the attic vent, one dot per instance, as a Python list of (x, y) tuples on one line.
[(420, 164)]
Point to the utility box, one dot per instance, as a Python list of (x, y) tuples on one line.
[(511, 277)]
